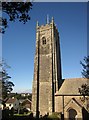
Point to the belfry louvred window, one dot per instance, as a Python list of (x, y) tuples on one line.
[(43, 40)]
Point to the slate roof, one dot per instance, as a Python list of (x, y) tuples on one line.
[(70, 86)]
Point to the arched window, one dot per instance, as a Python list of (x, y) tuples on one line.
[(43, 40)]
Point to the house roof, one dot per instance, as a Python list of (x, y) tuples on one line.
[(11, 100), (21, 100), (70, 86), (27, 101)]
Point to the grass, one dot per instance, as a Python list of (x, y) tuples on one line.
[(22, 114)]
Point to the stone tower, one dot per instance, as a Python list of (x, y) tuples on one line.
[(47, 68)]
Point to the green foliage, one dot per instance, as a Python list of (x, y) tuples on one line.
[(85, 65), (55, 116), (23, 111), (84, 90), (5, 114), (6, 83), (15, 10), (19, 96)]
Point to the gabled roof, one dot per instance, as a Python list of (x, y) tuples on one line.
[(26, 101), (75, 101), (70, 86), (11, 100), (21, 100)]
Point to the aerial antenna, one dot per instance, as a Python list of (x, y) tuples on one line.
[(47, 19)]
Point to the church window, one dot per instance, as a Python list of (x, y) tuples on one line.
[(43, 40)]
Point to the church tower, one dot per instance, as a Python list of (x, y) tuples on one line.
[(47, 68)]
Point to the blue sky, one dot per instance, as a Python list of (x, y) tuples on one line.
[(19, 41)]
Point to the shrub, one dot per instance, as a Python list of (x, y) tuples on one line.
[(55, 116)]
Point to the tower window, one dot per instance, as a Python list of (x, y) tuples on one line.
[(43, 40)]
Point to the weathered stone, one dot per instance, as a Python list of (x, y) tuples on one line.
[(49, 92), (47, 68)]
